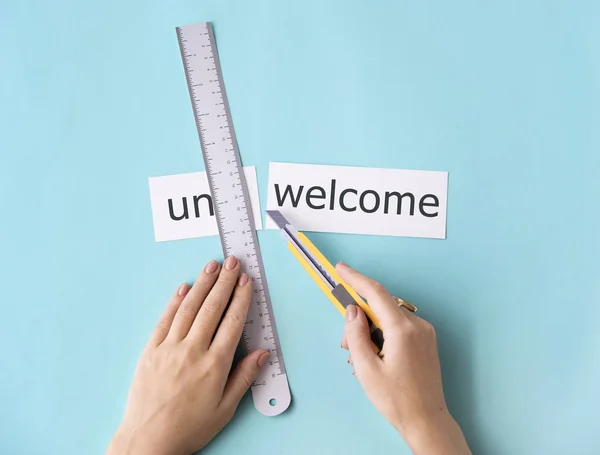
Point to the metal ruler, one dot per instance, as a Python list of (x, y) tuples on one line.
[(231, 201)]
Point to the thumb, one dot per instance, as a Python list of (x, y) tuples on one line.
[(378, 298), (242, 378), (358, 339)]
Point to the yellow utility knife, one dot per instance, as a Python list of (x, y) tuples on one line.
[(325, 275)]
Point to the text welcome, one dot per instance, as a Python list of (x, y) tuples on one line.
[(349, 200)]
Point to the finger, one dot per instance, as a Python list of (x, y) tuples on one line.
[(350, 359), (230, 330), (359, 340), (242, 378), (344, 342), (210, 314), (378, 298), (193, 300), (166, 319)]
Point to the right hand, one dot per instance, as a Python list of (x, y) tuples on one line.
[(404, 381)]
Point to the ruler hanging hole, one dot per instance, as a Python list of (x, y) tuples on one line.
[(273, 402)]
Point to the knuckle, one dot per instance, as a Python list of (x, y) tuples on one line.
[(397, 325), (213, 365), (147, 358), (429, 328), (228, 276), (407, 328), (234, 318), (211, 305), (189, 355), (188, 308), (163, 323), (227, 282), (377, 286), (379, 289), (166, 318)]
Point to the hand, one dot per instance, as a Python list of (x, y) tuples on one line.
[(404, 382), (182, 394)]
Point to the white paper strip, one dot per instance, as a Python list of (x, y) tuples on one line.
[(359, 200), (182, 205)]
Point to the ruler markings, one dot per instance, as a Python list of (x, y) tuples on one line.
[(232, 207)]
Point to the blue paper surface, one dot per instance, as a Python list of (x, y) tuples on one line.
[(503, 95)]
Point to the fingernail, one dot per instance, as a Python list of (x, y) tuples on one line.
[(231, 262), (350, 312), (243, 279), (342, 264), (183, 289), (211, 267), (262, 359)]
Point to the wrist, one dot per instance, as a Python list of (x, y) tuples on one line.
[(435, 433), (126, 442), (119, 445)]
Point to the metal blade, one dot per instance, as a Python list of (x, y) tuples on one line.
[(289, 233)]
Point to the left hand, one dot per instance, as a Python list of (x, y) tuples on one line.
[(182, 394)]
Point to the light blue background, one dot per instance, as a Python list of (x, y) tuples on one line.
[(504, 95)]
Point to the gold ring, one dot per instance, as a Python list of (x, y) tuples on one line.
[(405, 303)]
